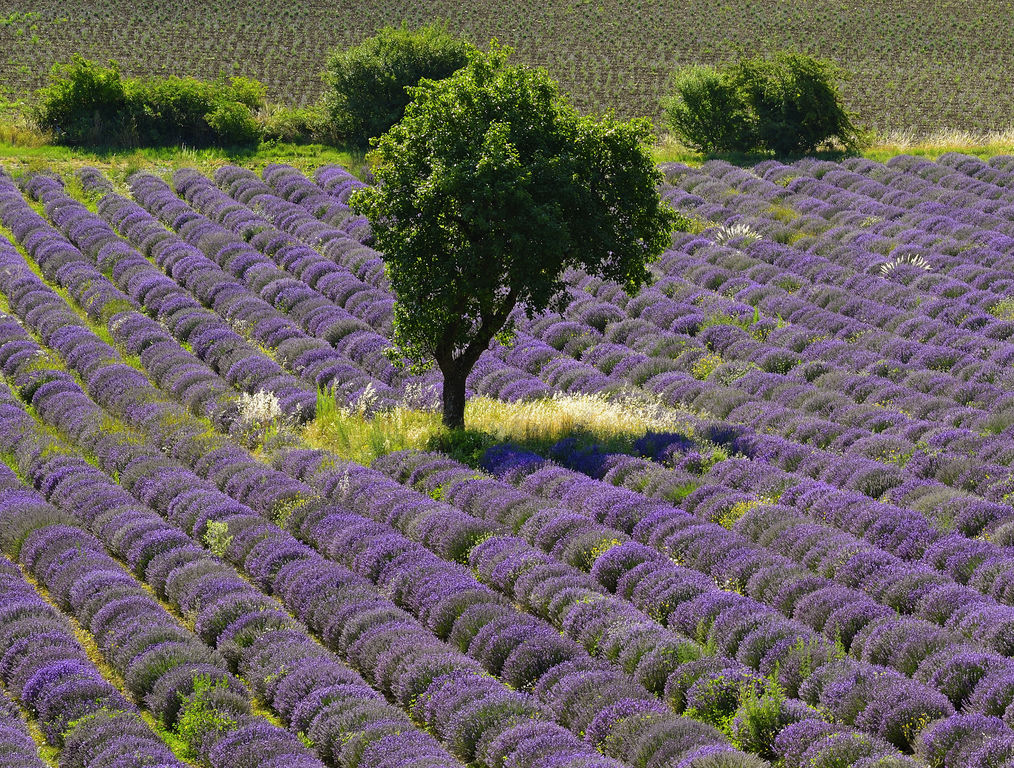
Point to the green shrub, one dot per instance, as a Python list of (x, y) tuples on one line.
[(85, 103), (366, 84), (293, 125), (232, 123), (200, 720), (788, 105), (707, 111), (91, 105), (796, 102)]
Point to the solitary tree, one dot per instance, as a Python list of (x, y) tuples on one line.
[(489, 188)]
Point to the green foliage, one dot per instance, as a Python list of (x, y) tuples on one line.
[(87, 104), (217, 538), (367, 84), (707, 111), (199, 719), (788, 104), (465, 445), (490, 187), (760, 718), (296, 125), (796, 102), (1003, 309)]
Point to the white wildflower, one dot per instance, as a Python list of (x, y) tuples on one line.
[(726, 233), (417, 397), (915, 260), (261, 408), (367, 400)]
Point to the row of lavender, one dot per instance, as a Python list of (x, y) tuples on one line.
[(730, 668), (971, 515), (464, 702), (951, 544), (671, 744)]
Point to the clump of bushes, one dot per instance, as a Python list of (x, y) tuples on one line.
[(295, 125), (87, 104), (788, 104), (366, 84)]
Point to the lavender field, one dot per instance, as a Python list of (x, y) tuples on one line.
[(811, 566)]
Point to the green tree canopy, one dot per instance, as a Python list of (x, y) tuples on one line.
[(366, 84), (788, 104), (489, 188)]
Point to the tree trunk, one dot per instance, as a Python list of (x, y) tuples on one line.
[(454, 398)]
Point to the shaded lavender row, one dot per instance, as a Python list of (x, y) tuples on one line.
[(971, 515), (161, 663), (344, 484), (16, 745), (983, 564), (46, 668), (426, 666), (874, 478)]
